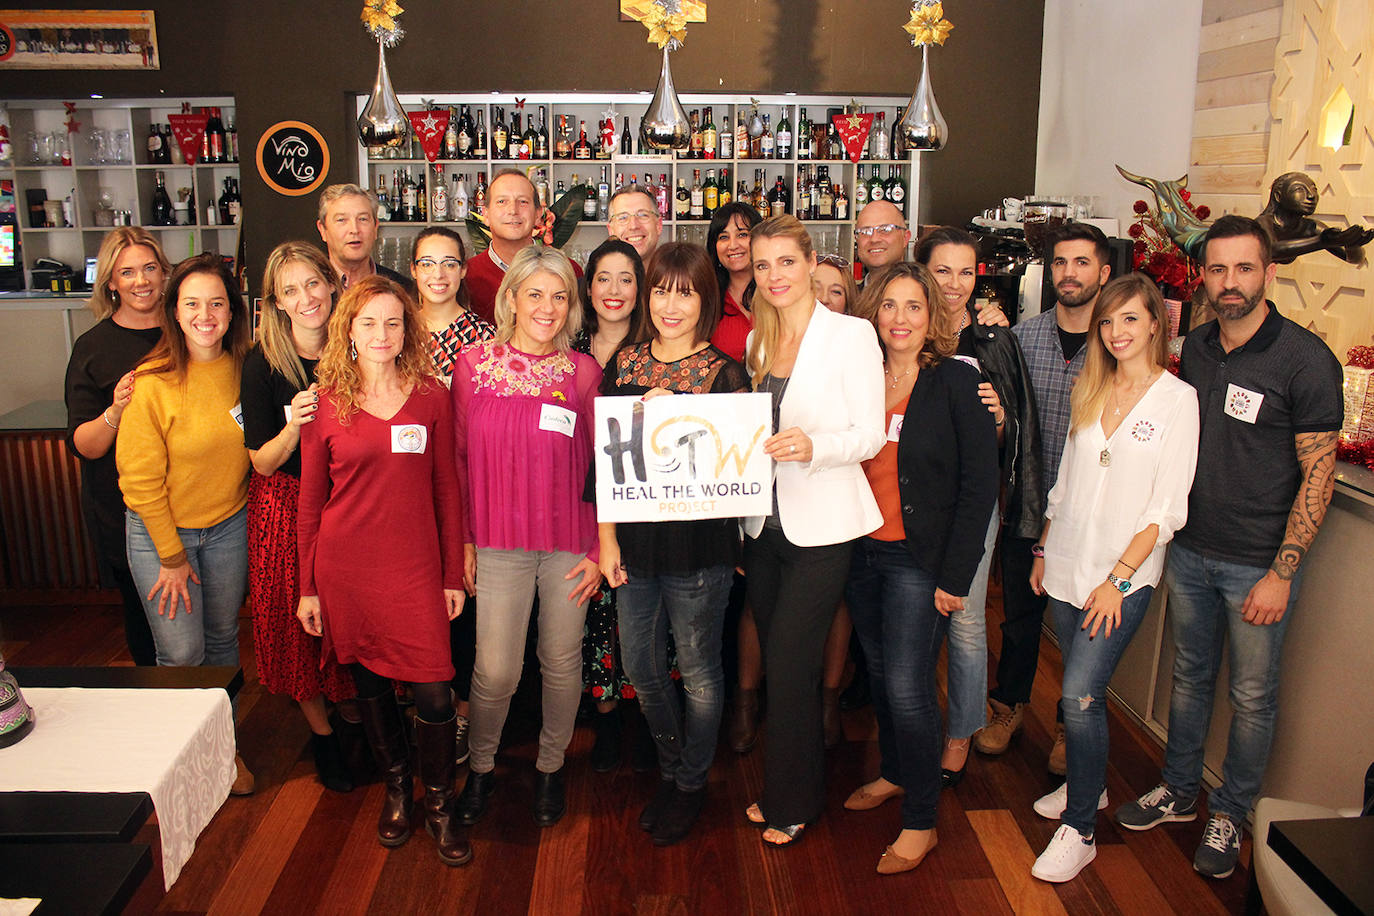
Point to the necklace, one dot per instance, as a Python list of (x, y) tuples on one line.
[(963, 321), (1138, 389), (898, 378)]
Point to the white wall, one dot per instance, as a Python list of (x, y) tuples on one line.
[(1117, 81)]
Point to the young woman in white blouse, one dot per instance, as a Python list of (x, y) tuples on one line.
[(1122, 493)]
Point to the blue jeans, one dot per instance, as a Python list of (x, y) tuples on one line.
[(968, 648), (1089, 663), (892, 602), (209, 634), (694, 605), (1205, 600)]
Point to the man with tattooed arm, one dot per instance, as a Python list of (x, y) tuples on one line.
[(1269, 392)]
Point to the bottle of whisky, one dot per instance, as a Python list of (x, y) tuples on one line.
[(682, 205), (562, 144)]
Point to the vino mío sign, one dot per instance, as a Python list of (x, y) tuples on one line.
[(292, 158), (682, 457)]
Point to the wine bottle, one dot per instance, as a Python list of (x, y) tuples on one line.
[(541, 137), (479, 143), (162, 204), (897, 147), (627, 141), (154, 145), (589, 203)]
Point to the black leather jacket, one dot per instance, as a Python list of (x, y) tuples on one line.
[(1023, 481)]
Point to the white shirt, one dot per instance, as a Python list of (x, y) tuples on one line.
[(1096, 510)]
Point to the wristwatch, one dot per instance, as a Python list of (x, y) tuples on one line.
[(1038, 550), (1118, 583)]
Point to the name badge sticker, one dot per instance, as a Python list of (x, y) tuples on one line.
[(1242, 403), (970, 360), (286, 409), (408, 439), (237, 413), (894, 429), (557, 419)]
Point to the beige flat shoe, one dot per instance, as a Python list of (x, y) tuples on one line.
[(244, 783), (893, 864), (863, 800)]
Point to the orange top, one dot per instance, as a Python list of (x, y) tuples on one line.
[(881, 471)]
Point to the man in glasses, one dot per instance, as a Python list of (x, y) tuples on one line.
[(881, 235), (634, 218)]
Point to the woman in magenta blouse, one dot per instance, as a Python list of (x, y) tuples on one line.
[(523, 426)]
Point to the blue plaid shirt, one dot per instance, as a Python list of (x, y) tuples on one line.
[(1053, 378)]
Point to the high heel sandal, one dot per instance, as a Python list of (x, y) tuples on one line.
[(951, 778)]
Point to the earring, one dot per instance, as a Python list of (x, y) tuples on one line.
[(352, 349)]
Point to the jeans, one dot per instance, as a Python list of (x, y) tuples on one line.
[(1205, 600), (1088, 666), (892, 602), (693, 604), (1025, 612), (968, 648), (506, 582), (209, 634)]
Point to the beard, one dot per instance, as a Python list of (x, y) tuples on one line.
[(1081, 296), (1234, 311)]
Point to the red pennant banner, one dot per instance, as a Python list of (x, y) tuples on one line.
[(430, 127), (188, 129), (853, 130)]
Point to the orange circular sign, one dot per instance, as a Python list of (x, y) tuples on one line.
[(292, 158)]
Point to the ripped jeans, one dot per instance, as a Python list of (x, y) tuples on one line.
[(693, 604), (1088, 667)]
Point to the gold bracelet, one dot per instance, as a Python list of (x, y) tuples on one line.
[(104, 415)]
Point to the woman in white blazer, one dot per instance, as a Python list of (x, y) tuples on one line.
[(825, 372)]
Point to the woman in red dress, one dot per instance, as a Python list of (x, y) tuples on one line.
[(381, 550)]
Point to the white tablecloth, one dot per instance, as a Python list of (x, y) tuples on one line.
[(176, 745)]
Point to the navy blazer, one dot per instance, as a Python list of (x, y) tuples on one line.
[(947, 473)]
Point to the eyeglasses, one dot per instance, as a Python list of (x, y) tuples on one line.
[(429, 264), (833, 260), (639, 216), (884, 228)]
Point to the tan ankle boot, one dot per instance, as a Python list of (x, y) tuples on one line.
[(1006, 722), (1059, 754)]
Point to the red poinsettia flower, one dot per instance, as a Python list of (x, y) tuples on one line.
[(1203, 211), (1141, 207), (1136, 230)]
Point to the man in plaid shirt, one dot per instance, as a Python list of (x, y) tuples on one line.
[(1053, 342)]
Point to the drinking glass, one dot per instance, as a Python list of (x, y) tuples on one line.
[(122, 149)]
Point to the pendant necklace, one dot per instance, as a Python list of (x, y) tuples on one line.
[(898, 378)]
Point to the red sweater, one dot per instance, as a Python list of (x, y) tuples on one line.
[(484, 279)]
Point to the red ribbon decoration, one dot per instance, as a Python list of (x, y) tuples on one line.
[(188, 129), (430, 127), (1360, 357), (853, 130)]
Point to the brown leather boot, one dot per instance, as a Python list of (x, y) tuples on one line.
[(744, 724), (386, 736), (830, 716), (435, 741), (1059, 754), (1006, 722)]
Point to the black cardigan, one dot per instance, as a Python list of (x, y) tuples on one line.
[(947, 473)]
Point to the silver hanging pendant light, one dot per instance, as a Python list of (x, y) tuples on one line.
[(924, 126), (383, 121), (665, 125)]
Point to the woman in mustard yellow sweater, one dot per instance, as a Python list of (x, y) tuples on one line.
[(183, 469)]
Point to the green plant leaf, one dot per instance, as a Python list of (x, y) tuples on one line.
[(480, 234), (567, 212)]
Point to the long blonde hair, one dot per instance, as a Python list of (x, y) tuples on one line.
[(1094, 384), (942, 333), (763, 348), (338, 367), (274, 325), (105, 301), (531, 260)]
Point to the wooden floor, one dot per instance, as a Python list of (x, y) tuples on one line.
[(295, 848)]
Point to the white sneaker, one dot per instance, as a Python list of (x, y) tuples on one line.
[(1068, 854), (1052, 806)]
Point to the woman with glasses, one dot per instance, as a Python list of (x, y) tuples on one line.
[(439, 268), (1006, 389)]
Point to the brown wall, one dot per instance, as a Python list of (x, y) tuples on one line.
[(302, 59)]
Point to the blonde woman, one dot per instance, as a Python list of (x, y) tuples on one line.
[(523, 415), (1122, 492), (131, 275), (279, 397), (825, 374), (380, 550)]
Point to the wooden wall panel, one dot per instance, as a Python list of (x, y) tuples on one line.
[(43, 533)]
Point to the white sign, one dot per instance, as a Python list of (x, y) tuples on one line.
[(683, 456)]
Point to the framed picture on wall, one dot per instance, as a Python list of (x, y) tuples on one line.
[(78, 40)]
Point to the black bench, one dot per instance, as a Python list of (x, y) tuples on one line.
[(73, 817), (74, 879)]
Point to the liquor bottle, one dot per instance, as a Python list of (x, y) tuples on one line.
[(607, 148), (562, 189), (767, 144), (841, 201), (860, 189), (479, 196), (682, 205), (627, 140), (801, 195), (224, 216), (876, 188), (529, 141), (620, 180), (214, 131), (458, 198), (500, 138), (231, 142), (464, 135), (541, 137), (727, 139), (894, 190), (897, 148), (662, 195), (784, 137), (742, 147), (383, 206), (880, 138), (759, 197), (603, 196), (422, 196), (235, 202), (825, 207), (398, 213), (834, 147), (709, 137), (562, 144), (162, 204), (778, 203), (742, 194), (522, 142), (583, 149), (723, 195), (479, 143), (695, 142), (867, 151), (710, 195), (697, 202), (803, 137), (154, 145), (438, 199), (451, 135), (410, 207), (541, 187), (589, 203)]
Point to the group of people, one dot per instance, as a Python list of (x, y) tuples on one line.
[(399, 475)]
